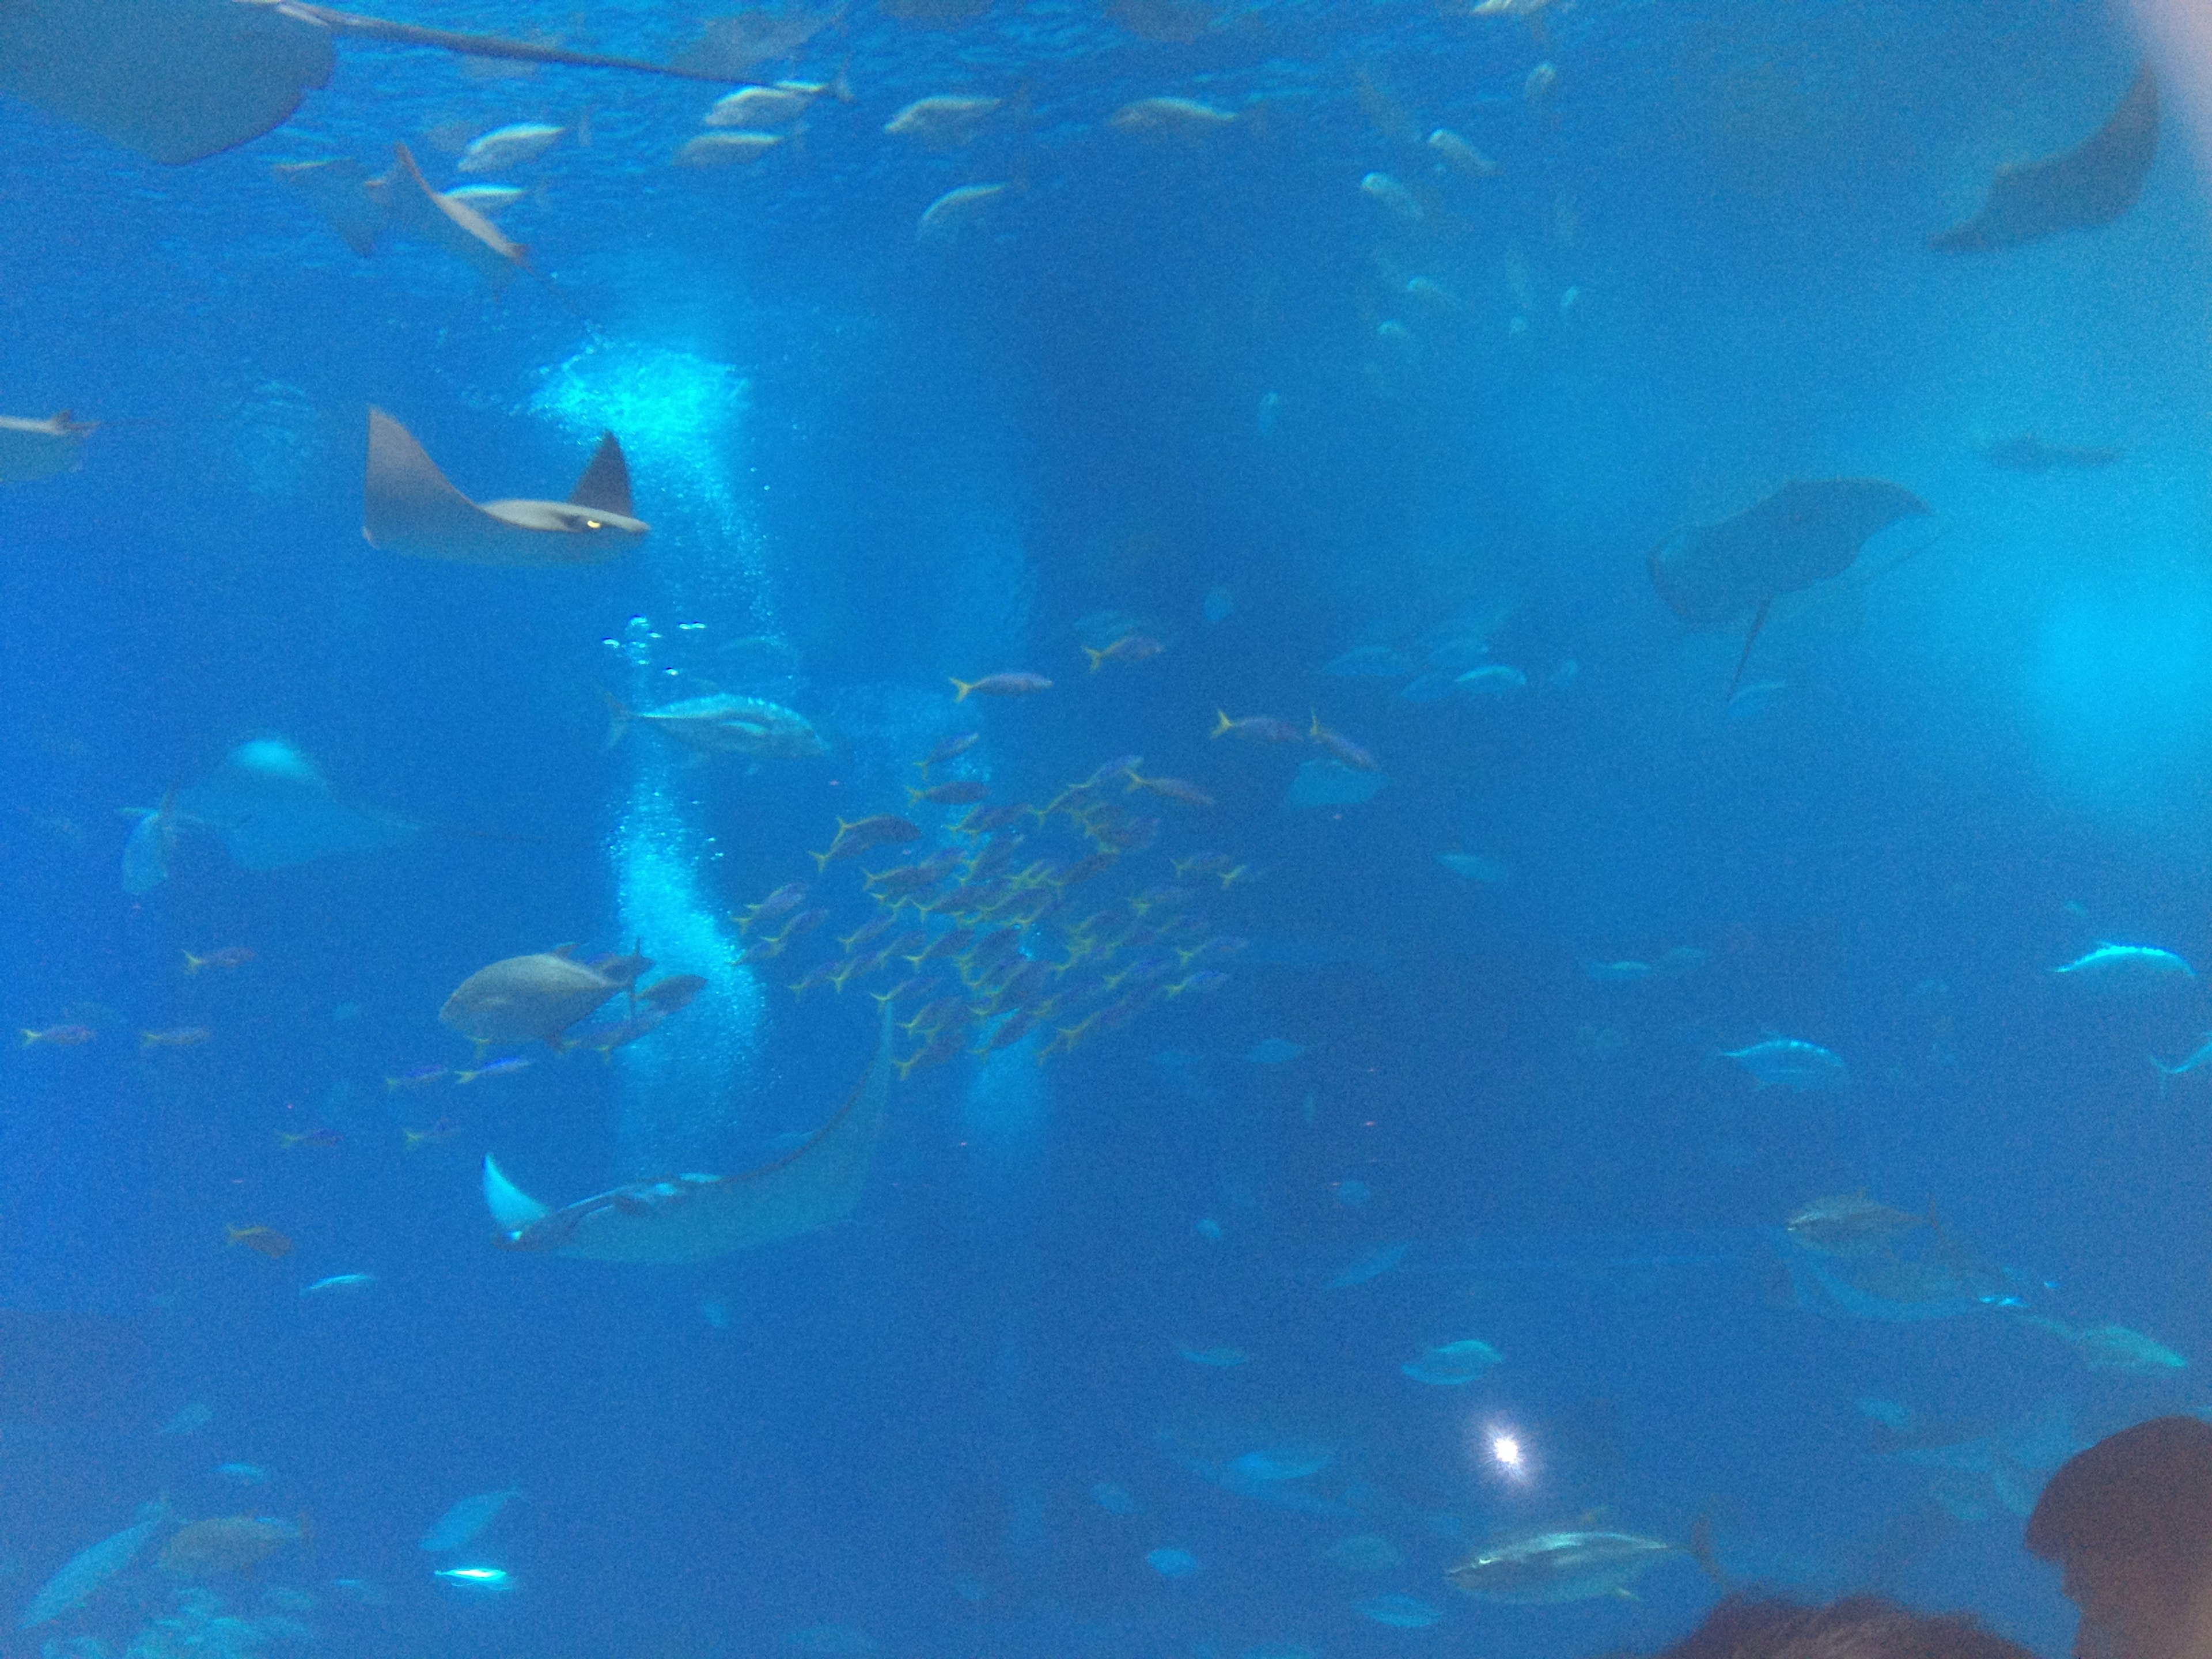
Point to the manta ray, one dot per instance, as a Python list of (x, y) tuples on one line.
[(182, 80), (1804, 532), (697, 1218), (409, 507), (2090, 185)]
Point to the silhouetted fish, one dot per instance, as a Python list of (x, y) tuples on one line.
[(2090, 185), (1804, 532)]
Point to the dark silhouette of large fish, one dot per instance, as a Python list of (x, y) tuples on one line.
[(2091, 185), (183, 80), (1803, 533), (696, 1218)]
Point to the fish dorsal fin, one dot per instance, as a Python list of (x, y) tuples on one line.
[(510, 1207), (605, 483)]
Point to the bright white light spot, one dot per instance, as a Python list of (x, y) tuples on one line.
[(1507, 1450)]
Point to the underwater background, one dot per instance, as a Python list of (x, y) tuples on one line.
[(1159, 1344)]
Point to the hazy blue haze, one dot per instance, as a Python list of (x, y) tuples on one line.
[(913, 459)]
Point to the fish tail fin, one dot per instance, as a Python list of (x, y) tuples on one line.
[(1221, 722), (147, 1040), (192, 964), (914, 796), (466, 1076), (2165, 1073), (1097, 657), (30, 1037), (840, 88), (1701, 1550), (619, 719), (821, 860), (1136, 782), (966, 686)]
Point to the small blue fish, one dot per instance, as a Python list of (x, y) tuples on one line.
[(507, 1067), (1360, 1269), (1399, 1612), (243, 1475), (340, 1285), (1495, 679), (1785, 1062), (478, 1578), (1616, 972), (1222, 1358), (1114, 1500), (2127, 967), (1172, 1563), (1452, 1363)]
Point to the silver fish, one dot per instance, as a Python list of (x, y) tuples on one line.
[(725, 725)]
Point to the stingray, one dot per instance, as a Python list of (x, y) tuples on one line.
[(415, 209), (182, 80), (354, 204), (1803, 533), (271, 809), (30, 450), (2091, 185), (696, 1218), (730, 48), (411, 509)]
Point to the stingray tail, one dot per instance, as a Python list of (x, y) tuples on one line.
[(1749, 640), (619, 719), (1700, 1547)]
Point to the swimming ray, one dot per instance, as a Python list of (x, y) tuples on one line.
[(271, 809), (182, 80), (697, 1218), (409, 507), (2091, 185), (1804, 532)]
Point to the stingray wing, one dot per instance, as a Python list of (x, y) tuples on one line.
[(409, 507), (176, 80), (2091, 185), (343, 193), (696, 1218), (1803, 533)]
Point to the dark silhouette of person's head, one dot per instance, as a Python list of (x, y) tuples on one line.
[(2129, 1521), (1856, 1627)]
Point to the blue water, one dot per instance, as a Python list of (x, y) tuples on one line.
[(1146, 390)]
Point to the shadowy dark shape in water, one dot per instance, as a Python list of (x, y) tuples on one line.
[(2091, 185), (730, 48), (2029, 454), (697, 1218), (182, 80), (1803, 533)]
